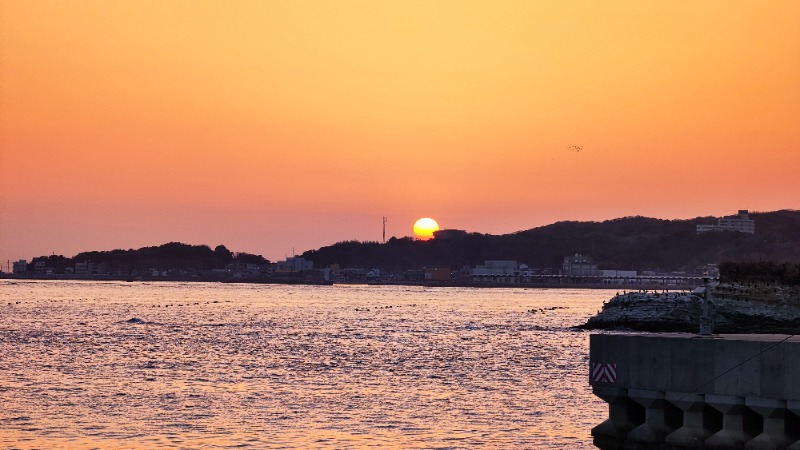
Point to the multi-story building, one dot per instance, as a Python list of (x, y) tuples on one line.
[(20, 266), (501, 271), (496, 267), (293, 264), (579, 266), (740, 222)]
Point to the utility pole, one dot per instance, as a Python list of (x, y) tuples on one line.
[(384, 229)]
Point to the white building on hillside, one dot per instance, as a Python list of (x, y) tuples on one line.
[(740, 222)]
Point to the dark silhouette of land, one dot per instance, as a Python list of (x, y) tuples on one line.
[(629, 243), (175, 256)]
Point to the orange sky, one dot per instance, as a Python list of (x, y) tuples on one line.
[(268, 126)]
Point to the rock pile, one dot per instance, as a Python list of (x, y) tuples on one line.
[(735, 308)]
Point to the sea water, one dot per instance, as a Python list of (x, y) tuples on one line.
[(212, 365)]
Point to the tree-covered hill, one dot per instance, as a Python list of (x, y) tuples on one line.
[(163, 257), (636, 243)]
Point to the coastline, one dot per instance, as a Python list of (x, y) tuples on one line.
[(72, 277), (566, 283), (734, 308)]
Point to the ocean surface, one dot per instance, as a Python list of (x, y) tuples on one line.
[(206, 365)]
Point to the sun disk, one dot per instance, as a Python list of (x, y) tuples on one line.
[(424, 228)]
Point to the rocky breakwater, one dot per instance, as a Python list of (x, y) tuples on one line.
[(734, 308)]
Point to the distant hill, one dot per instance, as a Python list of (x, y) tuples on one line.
[(636, 243), (162, 257)]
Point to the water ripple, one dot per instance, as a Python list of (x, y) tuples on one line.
[(165, 365)]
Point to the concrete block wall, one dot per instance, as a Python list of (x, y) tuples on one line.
[(682, 391)]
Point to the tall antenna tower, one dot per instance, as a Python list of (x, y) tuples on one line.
[(384, 229)]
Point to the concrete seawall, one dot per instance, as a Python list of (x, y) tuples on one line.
[(681, 391)]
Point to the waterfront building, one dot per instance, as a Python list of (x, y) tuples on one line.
[(740, 222), (98, 268), (579, 266), (437, 274), (20, 266), (244, 270), (501, 272), (605, 273), (81, 268), (496, 267), (293, 264)]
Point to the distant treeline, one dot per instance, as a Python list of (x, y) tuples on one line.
[(628, 243), (762, 271), (163, 257), (633, 243)]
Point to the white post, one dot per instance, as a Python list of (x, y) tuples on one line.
[(706, 324)]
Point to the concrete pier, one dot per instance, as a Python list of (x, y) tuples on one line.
[(683, 391)]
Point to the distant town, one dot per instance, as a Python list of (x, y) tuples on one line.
[(183, 262), (576, 270)]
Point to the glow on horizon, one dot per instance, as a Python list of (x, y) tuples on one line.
[(271, 125)]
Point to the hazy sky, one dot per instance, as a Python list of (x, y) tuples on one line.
[(268, 126)]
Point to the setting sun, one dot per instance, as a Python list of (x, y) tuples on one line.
[(506, 101), (424, 228)]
